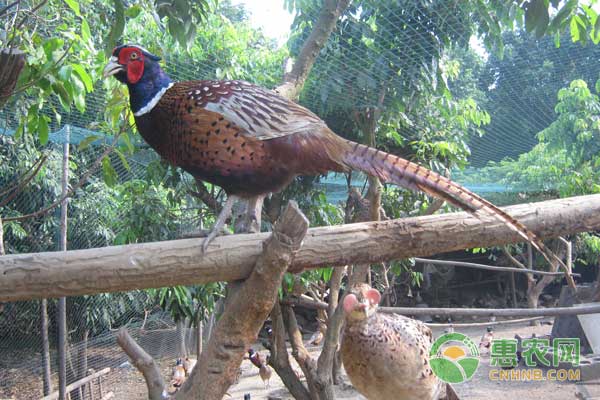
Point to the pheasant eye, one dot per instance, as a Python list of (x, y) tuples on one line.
[(133, 56)]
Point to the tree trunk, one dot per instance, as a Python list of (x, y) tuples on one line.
[(62, 303), (46, 371), (535, 289), (181, 343)]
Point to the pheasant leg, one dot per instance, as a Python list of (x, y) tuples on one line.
[(220, 223)]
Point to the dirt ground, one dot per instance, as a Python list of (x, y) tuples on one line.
[(128, 384)]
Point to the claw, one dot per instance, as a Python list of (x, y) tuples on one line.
[(223, 215)]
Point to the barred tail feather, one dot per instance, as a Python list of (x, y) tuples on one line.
[(390, 168)]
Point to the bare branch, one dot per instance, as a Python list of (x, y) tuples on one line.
[(23, 179), (488, 267), (482, 312), (280, 359), (145, 364), (294, 80)]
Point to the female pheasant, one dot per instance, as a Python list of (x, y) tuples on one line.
[(252, 141), (386, 356)]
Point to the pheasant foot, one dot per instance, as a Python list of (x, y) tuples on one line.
[(220, 223)]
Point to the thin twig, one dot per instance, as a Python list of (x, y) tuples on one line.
[(8, 7), (24, 182), (43, 73), (21, 177), (488, 267), (512, 259), (20, 24)]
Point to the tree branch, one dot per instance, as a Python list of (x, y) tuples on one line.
[(280, 359), (452, 263), (246, 309), (294, 80), (482, 312), (23, 179), (145, 364), (146, 265)]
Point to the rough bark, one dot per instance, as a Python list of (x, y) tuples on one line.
[(144, 363), (246, 309), (140, 266), (294, 80)]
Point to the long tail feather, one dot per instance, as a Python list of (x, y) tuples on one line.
[(390, 168)]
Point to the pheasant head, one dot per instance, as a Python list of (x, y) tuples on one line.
[(140, 71), (361, 302)]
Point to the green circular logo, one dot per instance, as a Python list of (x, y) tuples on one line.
[(454, 358)]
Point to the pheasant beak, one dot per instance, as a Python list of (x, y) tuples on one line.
[(112, 67)]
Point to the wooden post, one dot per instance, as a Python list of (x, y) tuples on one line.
[(46, 370), (62, 303), (513, 289)]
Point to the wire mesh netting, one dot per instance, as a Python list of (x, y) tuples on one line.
[(96, 216)]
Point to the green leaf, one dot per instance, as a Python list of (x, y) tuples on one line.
[(562, 15), (84, 76), (123, 159), (133, 11), (86, 34), (87, 141), (116, 30), (536, 17), (43, 129), (127, 140), (63, 95), (108, 172), (73, 5)]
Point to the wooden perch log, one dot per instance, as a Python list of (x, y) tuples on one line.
[(246, 310), (230, 258), (484, 312), (145, 364)]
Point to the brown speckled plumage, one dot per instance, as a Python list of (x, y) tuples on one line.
[(386, 356)]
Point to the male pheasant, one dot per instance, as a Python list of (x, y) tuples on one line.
[(386, 356), (252, 141)]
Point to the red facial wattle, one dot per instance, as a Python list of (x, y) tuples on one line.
[(133, 60), (135, 70)]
